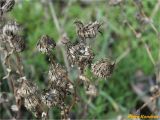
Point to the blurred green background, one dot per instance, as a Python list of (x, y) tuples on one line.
[(116, 97)]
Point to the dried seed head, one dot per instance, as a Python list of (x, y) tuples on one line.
[(11, 29), (103, 68), (18, 43), (59, 79), (34, 104), (87, 31), (6, 6), (46, 44), (52, 97), (80, 55), (27, 88)]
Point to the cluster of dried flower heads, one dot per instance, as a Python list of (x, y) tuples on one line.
[(60, 87)]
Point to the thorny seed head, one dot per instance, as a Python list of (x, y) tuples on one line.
[(45, 44), (80, 54), (103, 68), (6, 6), (87, 31), (26, 88), (11, 28)]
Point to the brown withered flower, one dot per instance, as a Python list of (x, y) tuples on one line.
[(11, 28), (52, 97), (87, 31), (103, 68), (36, 106), (26, 87), (6, 6), (58, 79), (46, 44), (79, 54)]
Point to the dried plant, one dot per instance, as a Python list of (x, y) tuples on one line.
[(61, 91)]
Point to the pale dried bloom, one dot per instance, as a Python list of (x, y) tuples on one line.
[(46, 44), (87, 31), (26, 88), (11, 28), (6, 6), (103, 68)]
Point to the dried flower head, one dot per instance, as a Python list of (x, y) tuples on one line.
[(6, 6), (35, 105), (59, 79), (103, 68), (18, 43), (80, 54), (46, 44), (27, 88), (52, 97), (87, 31), (11, 28)]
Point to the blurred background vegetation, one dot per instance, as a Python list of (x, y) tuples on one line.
[(116, 94)]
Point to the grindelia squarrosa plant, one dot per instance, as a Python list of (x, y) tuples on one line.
[(60, 87), (61, 91)]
